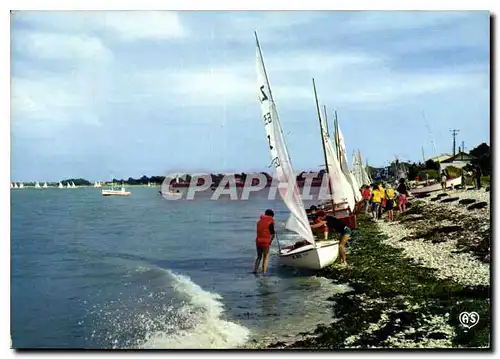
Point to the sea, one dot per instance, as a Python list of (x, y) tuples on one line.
[(143, 272)]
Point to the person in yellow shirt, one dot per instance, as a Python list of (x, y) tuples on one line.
[(389, 201), (382, 201), (376, 200)]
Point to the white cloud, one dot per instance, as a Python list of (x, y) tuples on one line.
[(126, 25), (47, 104), (136, 25), (270, 20), (51, 46), (398, 20)]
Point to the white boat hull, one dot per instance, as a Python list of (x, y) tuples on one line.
[(309, 257), (110, 192), (436, 187), (171, 195)]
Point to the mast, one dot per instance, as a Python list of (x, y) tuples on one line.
[(323, 144), (337, 139), (326, 121)]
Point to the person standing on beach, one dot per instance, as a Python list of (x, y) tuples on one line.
[(478, 177), (264, 238), (383, 200), (403, 195), (376, 200), (366, 198), (389, 201), (443, 180), (336, 225)]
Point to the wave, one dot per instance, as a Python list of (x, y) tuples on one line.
[(172, 312)]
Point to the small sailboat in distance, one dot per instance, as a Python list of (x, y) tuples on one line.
[(37, 185), (45, 185), (60, 185)]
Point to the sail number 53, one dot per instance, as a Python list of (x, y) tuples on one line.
[(267, 118)]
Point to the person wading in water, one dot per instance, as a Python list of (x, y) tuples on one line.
[(264, 238), (335, 225)]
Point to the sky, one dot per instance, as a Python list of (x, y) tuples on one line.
[(102, 94)]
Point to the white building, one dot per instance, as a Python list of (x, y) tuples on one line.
[(460, 160)]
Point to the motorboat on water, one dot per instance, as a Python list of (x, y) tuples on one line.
[(113, 192)]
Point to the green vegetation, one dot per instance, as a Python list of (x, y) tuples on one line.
[(483, 158), (76, 181), (383, 279), (453, 172), (433, 174)]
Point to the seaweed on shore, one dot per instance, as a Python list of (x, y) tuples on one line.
[(394, 300)]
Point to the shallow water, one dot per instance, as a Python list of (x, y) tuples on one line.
[(143, 272)]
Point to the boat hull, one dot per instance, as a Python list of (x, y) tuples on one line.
[(171, 195), (310, 257), (436, 187), (114, 193)]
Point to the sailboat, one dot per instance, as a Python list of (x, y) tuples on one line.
[(73, 185), (340, 190), (170, 193), (37, 185), (313, 255), (45, 185), (68, 185), (365, 179), (113, 192), (342, 200), (21, 185), (60, 185), (342, 155)]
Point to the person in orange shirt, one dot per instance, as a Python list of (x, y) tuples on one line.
[(264, 238)]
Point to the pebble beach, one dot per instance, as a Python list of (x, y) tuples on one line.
[(411, 278)]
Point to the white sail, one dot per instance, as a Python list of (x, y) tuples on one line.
[(45, 185), (60, 185), (11, 185), (21, 185), (37, 185), (298, 221), (73, 185), (343, 158), (365, 179), (341, 188)]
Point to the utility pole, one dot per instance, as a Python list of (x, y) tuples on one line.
[(463, 150), (423, 155), (454, 134)]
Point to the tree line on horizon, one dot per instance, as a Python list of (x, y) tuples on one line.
[(482, 154)]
